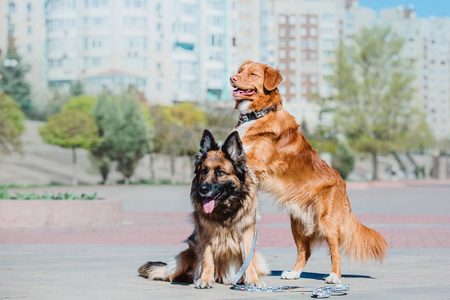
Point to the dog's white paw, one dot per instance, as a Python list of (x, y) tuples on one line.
[(291, 274), (203, 284), (333, 278)]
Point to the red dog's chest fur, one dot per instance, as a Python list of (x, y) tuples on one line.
[(283, 159)]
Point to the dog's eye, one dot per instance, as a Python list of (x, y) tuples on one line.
[(221, 173), (254, 74), (204, 171)]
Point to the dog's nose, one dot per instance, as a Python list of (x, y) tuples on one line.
[(204, 189), (233, 79)]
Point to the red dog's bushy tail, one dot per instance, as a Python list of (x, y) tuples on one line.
[(363, 243)]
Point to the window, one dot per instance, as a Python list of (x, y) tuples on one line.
[(313, 31), (303, 20), (282, 53), (29, 48), (282, 19), (29, 29), (292, 65), (291, 53), (96, 3), (135, 3), (291, 20), (304, 31), (29, 8), (292, 43), (282, 32), (313, 78), (313, 20), (292, 89), (304, 44), (216, 40), (135, 62), (313, 55)]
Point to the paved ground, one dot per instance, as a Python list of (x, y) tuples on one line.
[(101, 262)]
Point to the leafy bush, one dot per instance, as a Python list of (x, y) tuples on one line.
[(45, 196), (343, 161)]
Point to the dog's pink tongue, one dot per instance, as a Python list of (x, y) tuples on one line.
[(208, 205)]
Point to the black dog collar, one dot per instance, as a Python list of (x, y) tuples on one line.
[(254, 115)]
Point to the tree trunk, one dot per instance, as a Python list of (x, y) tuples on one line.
[(172, 169), (75, 167), (374, 166), (152, 167)]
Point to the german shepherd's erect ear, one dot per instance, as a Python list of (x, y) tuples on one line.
[(234, 150), (233, 147), (207, 143)]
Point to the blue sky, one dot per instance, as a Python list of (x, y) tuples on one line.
[(423, 8)]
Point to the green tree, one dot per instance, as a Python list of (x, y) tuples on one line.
[(178, 129), (124, 132), (374, 101), (102, 113), (81, 102), (12, 76), (70, 129), (76, 88), (220, 121), (11, 125)]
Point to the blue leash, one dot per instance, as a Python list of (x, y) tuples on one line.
[(317, 292)]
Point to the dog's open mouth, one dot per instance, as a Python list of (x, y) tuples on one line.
[(237, 92), (210, 203)]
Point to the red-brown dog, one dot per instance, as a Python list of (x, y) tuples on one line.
[(288, 168)]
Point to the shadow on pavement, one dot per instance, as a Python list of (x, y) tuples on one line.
[(319, 276)]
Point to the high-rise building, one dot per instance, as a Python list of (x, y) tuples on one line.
[(172, 50), (307, 34), (428, 43)]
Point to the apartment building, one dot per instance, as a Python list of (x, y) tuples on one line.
[(307, 34), (26, 21), (428, 43), (172, 50)]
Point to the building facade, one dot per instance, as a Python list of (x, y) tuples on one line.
[(172, 50)]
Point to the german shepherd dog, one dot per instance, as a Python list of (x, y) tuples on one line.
[(223, 196), (288, 168)]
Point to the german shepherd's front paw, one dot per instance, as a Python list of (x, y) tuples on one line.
[(202, 283), (256, 282)]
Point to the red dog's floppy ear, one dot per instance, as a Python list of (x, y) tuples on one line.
[(272, 78)]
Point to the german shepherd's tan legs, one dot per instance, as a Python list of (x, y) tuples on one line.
[(303, 244), (204, 277), (253, 272)]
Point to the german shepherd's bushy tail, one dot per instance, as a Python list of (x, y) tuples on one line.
[(180, 270), (363, 243)]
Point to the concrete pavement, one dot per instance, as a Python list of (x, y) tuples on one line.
[(101, 262)]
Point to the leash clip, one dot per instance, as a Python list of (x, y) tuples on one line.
[(325, 291)]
